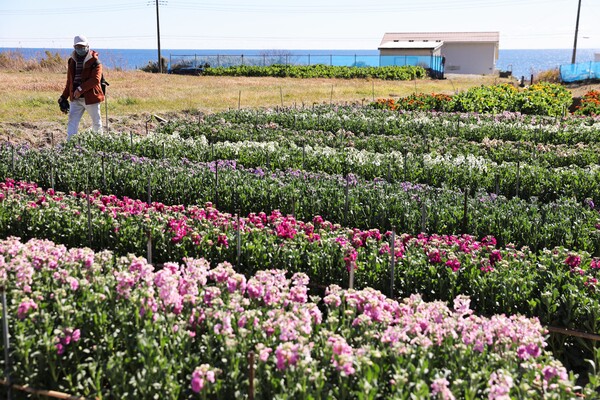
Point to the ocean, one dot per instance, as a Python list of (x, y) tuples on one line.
[(520, 62)]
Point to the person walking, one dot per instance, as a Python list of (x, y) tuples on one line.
[(84, 72)]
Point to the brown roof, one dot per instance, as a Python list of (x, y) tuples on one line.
[(447, 37)]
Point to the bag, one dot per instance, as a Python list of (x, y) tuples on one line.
[(103, 83)]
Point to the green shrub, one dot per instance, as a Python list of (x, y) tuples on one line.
[(321, 71), (540, 99)]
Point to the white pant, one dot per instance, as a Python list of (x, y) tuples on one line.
[(76, 111)]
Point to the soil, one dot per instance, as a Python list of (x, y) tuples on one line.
[(40, 134)]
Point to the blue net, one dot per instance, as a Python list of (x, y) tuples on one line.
[(580, 71)]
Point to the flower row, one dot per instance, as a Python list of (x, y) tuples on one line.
[(437, 266), (525, 177), (367, 121), (342, 199), (99, 325)]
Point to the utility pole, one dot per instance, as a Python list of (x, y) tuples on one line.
[(576, 30), (158, 36)]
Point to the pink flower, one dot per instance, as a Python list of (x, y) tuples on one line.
[(439, 387), (525, 352), (73, 283), (286, 355), (201, 376), (462, 305), (24, 308), (551, 372), (500, 384)]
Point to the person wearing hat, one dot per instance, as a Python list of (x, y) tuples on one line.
[(84, 72)]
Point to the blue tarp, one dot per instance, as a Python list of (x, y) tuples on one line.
[(580, 71)]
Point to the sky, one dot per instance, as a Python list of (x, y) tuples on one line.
[(291, 24)]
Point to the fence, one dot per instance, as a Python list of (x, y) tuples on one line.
[(580, 71), (433, 63)]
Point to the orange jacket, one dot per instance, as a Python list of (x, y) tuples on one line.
[(90, 79)]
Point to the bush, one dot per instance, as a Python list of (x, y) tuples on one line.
[(539, 99), (590, 104), (544, 99), (153, 66), (321, 71), (550, 76), (487, 99)]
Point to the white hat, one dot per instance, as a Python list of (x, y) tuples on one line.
[(80, 40)]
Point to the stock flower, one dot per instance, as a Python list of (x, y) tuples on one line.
[(439, 388), (434, 256), (201, 376), (68, 336), (550, 372), (495, 256), (286, 355), (222, 241), (24, 308), (343, 355), (263, 352), (454, 264), (527, 351), (573, 260), (500, 383)]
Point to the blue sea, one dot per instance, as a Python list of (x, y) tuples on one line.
[(520, 62)]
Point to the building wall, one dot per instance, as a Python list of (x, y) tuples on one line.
[(470, 58)]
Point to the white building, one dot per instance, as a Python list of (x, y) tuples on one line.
[(463, 52)]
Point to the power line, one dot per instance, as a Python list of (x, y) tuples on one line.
[(280, 8)]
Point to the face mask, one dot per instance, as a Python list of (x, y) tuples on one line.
[(81, 52)]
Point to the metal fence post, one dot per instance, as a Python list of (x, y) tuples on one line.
[(6, 343), (392, 261), (238, 241)]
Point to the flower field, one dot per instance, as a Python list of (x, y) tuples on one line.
[(324, 252)]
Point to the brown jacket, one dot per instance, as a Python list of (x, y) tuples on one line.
[(90, 79)]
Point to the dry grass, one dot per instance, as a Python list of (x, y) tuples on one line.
[(551, 75), (28, 96), (29, 110)]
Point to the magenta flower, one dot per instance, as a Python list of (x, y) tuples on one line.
[(573, 261), (454, 264), (434, 256), (222, 241), (495, 256)]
